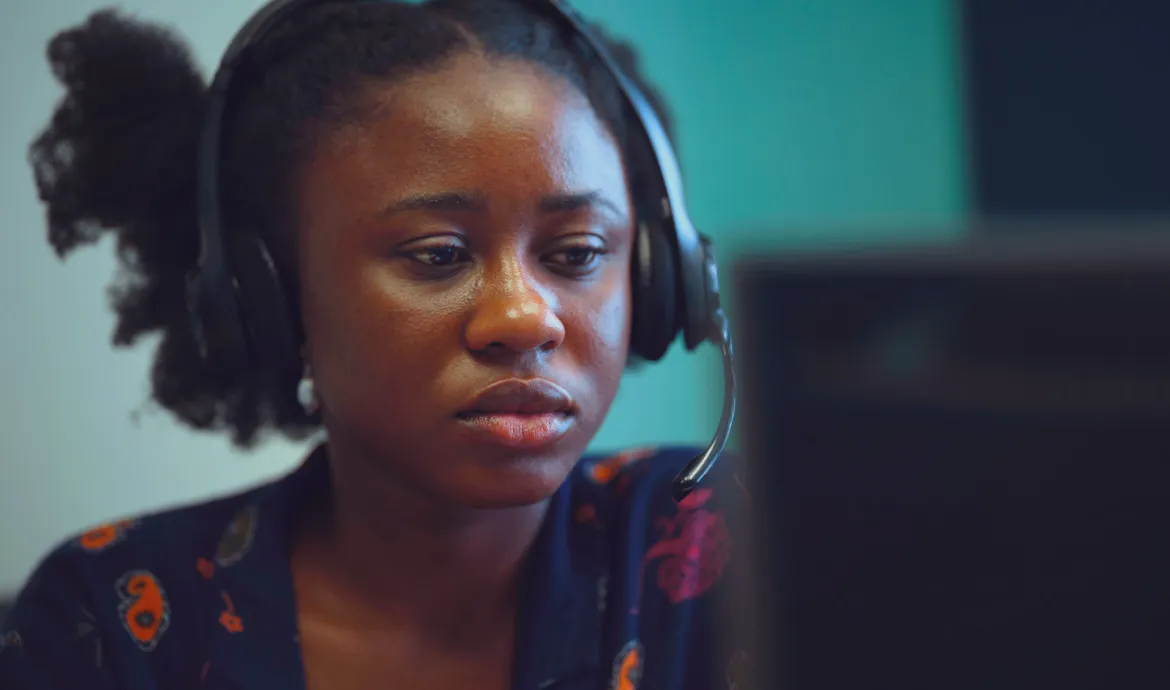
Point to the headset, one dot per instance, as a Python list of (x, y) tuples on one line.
[(240, 314)]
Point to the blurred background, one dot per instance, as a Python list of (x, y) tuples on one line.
[(803, 126)]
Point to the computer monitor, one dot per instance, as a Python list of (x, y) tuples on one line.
[(961, 464)]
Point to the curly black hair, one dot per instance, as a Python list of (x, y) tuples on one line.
[(119, 154)]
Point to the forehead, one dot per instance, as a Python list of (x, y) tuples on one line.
[(502, 126)]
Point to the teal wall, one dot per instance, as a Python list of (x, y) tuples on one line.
[(800, 123)]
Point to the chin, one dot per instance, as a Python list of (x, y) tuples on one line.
[(511, 483)]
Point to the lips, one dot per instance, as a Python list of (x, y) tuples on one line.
[(521, 397), (520, 414)]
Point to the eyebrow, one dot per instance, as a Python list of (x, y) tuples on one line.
[(564, 203), (477, 202)]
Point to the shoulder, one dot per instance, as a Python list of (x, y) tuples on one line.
[(630, 493), (163, 544), (110, 592), (676, 566), (639, 481)]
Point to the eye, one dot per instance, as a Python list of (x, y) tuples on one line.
[(437, 259), (440, 256), (578, 260), (580, 256)]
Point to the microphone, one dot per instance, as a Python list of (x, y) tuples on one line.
[(697, 468)]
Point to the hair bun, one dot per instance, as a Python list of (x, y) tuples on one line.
[(119, 151)]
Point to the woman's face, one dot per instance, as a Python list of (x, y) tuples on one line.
[(464, 261)]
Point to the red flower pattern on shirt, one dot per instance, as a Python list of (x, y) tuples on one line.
[(693, 549)]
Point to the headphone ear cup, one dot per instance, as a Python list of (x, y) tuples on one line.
[(654, 287), (264, 309), (215, 320)]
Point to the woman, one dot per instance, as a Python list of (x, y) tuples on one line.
[(444, 190)]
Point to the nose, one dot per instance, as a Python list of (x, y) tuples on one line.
[(514, 315)]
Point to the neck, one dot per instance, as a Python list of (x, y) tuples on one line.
[(387, 553)]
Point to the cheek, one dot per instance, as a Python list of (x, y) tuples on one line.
[(605, 334), (364, 338), (609, 332)]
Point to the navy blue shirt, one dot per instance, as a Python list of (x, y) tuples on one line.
[(623, 591)]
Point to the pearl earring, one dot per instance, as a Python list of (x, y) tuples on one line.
[(307, 392)]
